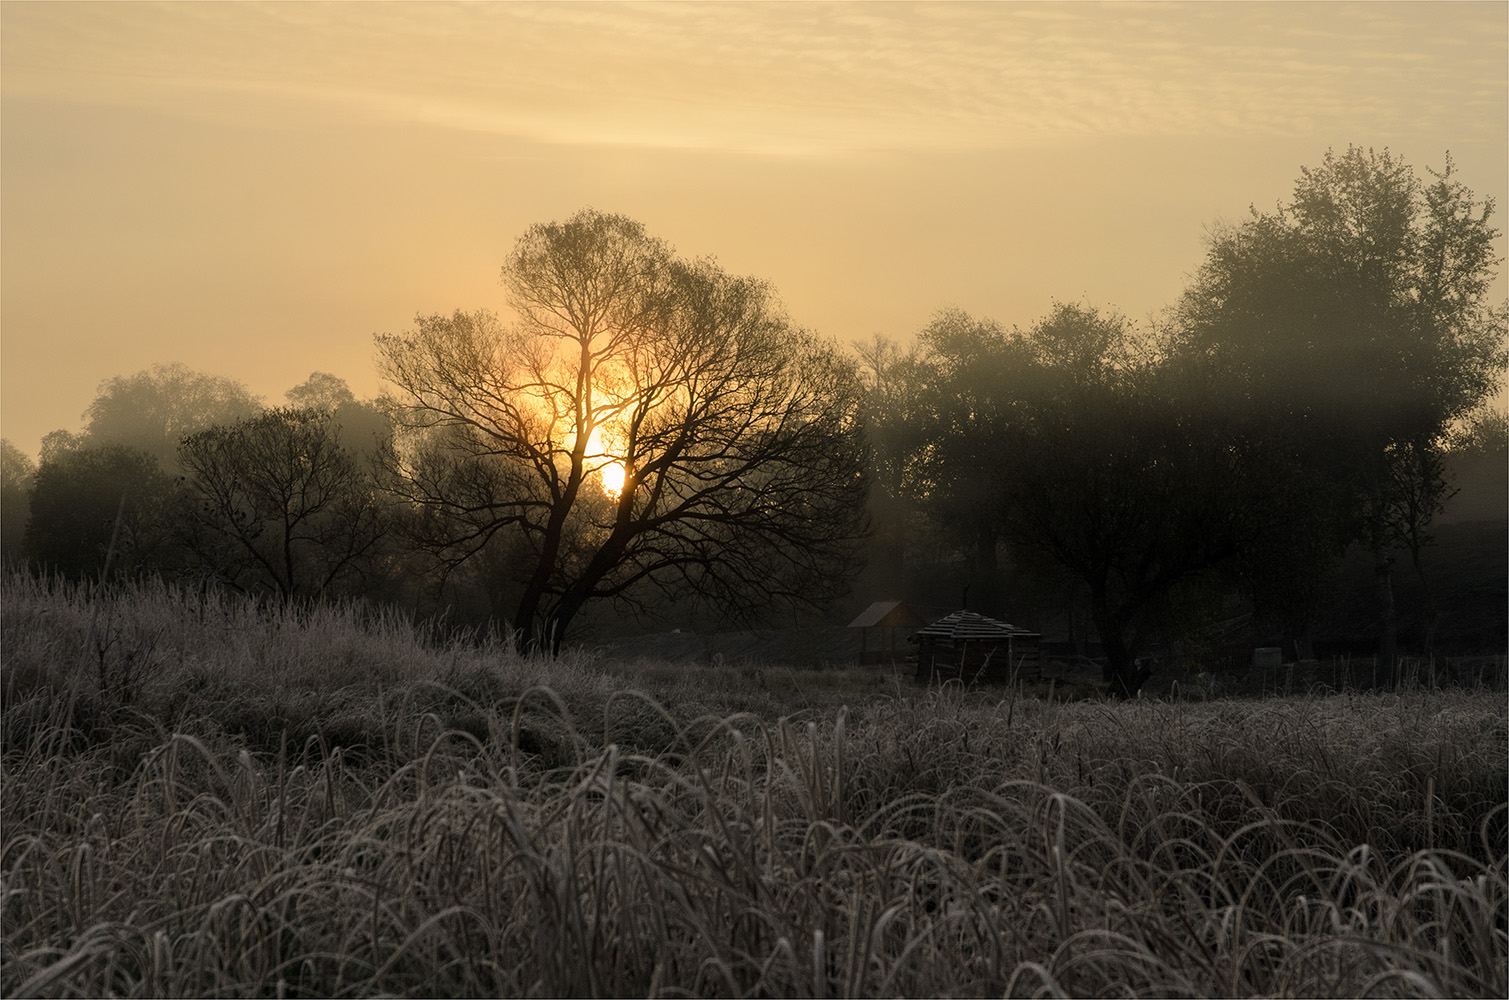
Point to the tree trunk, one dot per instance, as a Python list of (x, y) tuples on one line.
[(576, 596), (525, 638), (1383, 579), (1388, 632), (1124, 674), (1432, 616), (558, 621), (529, 634), (987, 571)]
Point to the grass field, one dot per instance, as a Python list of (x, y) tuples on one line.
[(204, 797)]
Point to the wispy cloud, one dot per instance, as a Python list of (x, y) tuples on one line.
[(792, 78)]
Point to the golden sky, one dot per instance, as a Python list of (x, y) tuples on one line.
[(255, 190)]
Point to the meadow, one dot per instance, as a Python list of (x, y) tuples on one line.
[(206, 796)]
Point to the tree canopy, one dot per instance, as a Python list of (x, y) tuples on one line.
[(1299, 400), (1072, 443), (17, 475), (1351, 329), (156, 408), (100, 511)]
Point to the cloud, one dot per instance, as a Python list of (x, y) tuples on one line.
[(800, 79)]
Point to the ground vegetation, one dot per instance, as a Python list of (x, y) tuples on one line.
[(214, 796)]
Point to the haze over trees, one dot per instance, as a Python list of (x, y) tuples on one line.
[(1299, 400), (153, 410), (278, 501), (1074, 444), (18, 473), (1352, 330), (99, 510), (103, 500), (649, 433)]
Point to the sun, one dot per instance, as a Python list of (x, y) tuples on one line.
[(612, 474)]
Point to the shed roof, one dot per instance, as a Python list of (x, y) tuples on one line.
[(887, 614), (968, 626)]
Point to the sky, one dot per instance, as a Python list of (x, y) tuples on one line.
[(256, 190)]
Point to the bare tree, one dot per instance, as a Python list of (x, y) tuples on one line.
[(275, 503), (650, 425)]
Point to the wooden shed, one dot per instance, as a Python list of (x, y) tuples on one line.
[(974, 649), (884, 619)]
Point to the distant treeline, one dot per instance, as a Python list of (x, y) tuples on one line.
[(652, 440)]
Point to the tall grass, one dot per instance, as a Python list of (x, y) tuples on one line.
[(460, 821)]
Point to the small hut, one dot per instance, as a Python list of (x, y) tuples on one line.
[(972, 648), (884, 618)]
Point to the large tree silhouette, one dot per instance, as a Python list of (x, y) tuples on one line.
[(649, 425), (1353, 327), (1076, 443)]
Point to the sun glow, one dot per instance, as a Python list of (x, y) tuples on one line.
[(613, 476), (612, 473)]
